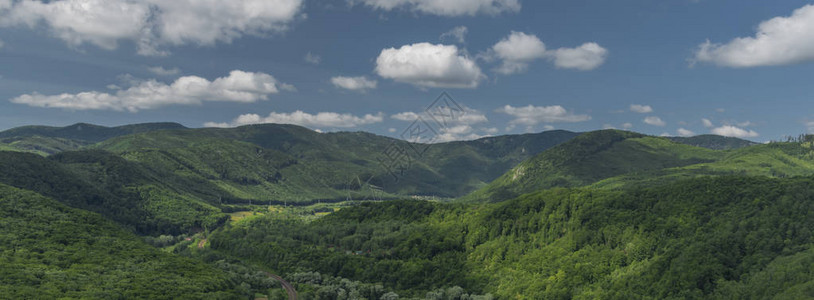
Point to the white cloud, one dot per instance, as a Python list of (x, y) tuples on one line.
[(446, 7), (655, 121), (778, 41), (457, 34), (470, 117), (732, 131), (312, 58), (519, 49), (462, 133), (586, 57), (391, 130), (429, 65), (406, 116), (322, 119), (360, 83), (161, 71), (151, 24), (642, 109), (532, 115), (707, 123), (239, 86), (516, 51), (685, 132), (608, 126), (627, 126)]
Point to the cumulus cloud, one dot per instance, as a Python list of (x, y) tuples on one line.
[(685, 132), (642, 109), (161, 71), (312, 58), (778, 41), (516, 51), (532, 115), (151, 24), (446, 7), (360, 83), (655, 121), (587, 57), (457, 34), (707, 123), (322, 119), (627, 125), (470, 117), (239, 86), (732, 131), (519, 49), (429, 65), (461, 133)]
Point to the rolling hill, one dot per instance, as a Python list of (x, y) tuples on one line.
[(612, 159)]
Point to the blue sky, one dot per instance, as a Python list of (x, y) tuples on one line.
[(679, 67)]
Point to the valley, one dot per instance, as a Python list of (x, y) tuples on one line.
[(553, 215)]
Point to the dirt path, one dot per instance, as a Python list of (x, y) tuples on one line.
[(292, 293)]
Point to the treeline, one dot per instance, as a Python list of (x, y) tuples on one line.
[(700, 238)]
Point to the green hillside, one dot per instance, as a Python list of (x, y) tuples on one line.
[(51, 251), (287, 163), (123, 191), (721, 238), (592, 157)]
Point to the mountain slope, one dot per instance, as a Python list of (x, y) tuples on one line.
[(146, 202), (715, 142), (47, 140), (272, 162), (592, 157), (724, 237), (49, 250)]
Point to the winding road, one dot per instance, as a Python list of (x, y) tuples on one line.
[(292, 293)]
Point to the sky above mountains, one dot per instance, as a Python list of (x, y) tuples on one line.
[(679, 67)]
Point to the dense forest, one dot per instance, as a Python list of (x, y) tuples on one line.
[(729, 237), (159, 211)]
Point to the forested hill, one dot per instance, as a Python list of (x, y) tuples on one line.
[(51, 251), (612, 159), (47, 140), (729, 237), (295, 164)]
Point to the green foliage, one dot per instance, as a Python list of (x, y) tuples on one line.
[(280, 163), (48, 251), (726, 237)]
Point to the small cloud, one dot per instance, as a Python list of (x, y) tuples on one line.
[(655, 121), (312, 58), (391, 130), (732, 131), (627, 126), (608, 126), (642, 109), (745, 124), (360, 83), (586, 57), (427, 65), (161, 71), (720, 110), (532, 115), (665, 134), (707, 123), (685, 132), (546, 128), (457, 34), (445, 8), (322, 119), (469, 117)]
